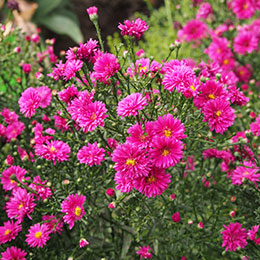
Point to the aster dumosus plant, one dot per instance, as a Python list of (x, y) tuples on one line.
[(144, 129)]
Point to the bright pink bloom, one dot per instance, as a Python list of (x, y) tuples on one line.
[(145, 252), (45, 95), (10, 160), (154, 184), (111, 205), (131, 104), (237, 97), (38, 235), (9, 117), (8, 182), (140, 53), (166, 152), (135, 28), (56, 151), (169, 127), (29, 102), (252, 232), (88, 50), (20, 204), (54, 224), (68, 94), (92, 10), (14, 129), (26, 68), (255, 127), (57, 73), (105, 66), (13, 253), (83, 242), (234, 236), (176, 217), (9, 231), (193, 30), (219, 115), (71, 67), (244, 73), (61, 123), (244, 9), (200, 225), (204, 11), (91, 154), (131, 161), (124, 184), (43, 192), (245, 42), (110, 192), (73, 207)]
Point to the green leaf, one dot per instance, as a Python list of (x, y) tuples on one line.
[(63, 25), (46, 6), (126, 244)]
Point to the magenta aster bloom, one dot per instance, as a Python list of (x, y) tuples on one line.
[(92, 10), (26, 68), (14, 129), (43, 192), (20, 205), (73, 207), (91, 154), (9, 231), (154, 184), (245, 42), (252, 232), (169, 127), (131, 104), (54, 224), (56, 151), (105, 66), (193, 30), (83, 242), (13, 171), (29, 101), (204, 11), (38, 235), (219, 115), (45, 95), (71, 67), (61, 123), (255, 127), (124, 184), (237, 97), (68, 94), (131, 161), (9, 116), (13, 253), (166, 152), (145, 252), (135, 28), (88, 50), (234, 236), (244, 9)]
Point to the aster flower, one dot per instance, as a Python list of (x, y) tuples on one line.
[(13, 253), (43, 192), (145, 252), (56, 151), (244, 73), (83, 242), (87, 51), (38, 235), (169, 127), (131, 160), (45, 94), (7, 180), (9, 116), (61, 123), (237, 97), (91, 154), (245, 42), (135, 28), (219, 115), (252, 232), (71, 67), (26, 68), (29, 101), (124, 184), (73, 207), (176, 217), (57, 72), (20, 205), (204, 11), (54, 224), (13, 130), (105, 66), (130, 105), (68, 94), (154, 184), (234, 236), (166, 152), (9, 231), (244, 9), (255, 127)]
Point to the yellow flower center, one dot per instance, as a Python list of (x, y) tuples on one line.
[(52, 149), (167, 133), (211, 96), (241, 72), (165, 152), (218, 50), (20, 206), (7, 232), (93, 117), (38, 234), (218, 113), (12, 181), (143, 69), (245, 6), (130, 161), (151, 179), (226, 61), (192, 87), (77, 211), (246, 173)]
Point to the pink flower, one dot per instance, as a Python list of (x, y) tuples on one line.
[(176, 217), (237, 97), (72, 206), (131, 104), (56, 151), (193, 30), (88, 50), (105, 66), (245, 42), (71, 67), (61, 123), (200, 225), (219, 115), (111, 205), (110, 192), (204, 11), (68, 94), (9, 231), (54, 224), (26, 68), (166, 152), (92, 11), (244, 73), (7, 177), (20, 204), (244, 9), (124, 184), (145, 252), (131, 161), (252, 232), (9, 160), (42, 191), (38, 235), (83, 242), (45, 94), (13, 253), (29, 102), (154, 184), (14, 129), (135, 28), (234, 236), (91, 154), (255, 127), (9, 117)]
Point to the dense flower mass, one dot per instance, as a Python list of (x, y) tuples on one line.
[(13, 253)]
